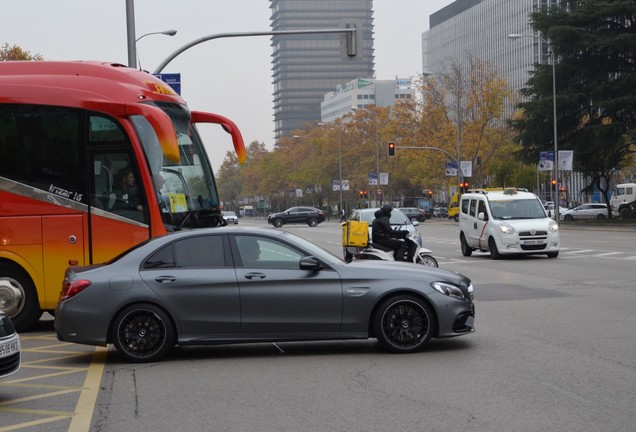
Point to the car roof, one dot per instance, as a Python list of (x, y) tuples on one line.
[(501, 195)]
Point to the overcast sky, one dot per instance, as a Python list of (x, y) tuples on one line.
[(231, 77)]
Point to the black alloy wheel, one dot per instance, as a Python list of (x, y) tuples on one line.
[(278, 223), (143, 333), (404, 324), (313, 222)]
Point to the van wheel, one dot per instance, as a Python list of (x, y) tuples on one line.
[(456, 219), (492, 246), (466, 250)]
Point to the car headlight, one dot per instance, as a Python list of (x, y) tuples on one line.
[(553, 226), (448, 289), (507, 229)]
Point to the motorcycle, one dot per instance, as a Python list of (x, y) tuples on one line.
[(372, 251)]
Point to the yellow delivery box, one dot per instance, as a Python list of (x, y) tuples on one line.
[(355, 233)]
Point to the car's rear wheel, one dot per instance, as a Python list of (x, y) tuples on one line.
[(313, 222), (143, 333), (278, 223), (466, 250), (492, 246), (404, 324), (568, 217), (600, 216)]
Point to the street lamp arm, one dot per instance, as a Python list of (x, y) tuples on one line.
[(189, 45), (430, 148)]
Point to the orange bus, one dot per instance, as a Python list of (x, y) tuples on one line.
[(94, 158)]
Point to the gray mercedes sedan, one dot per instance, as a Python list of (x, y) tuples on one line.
[(239, 284)]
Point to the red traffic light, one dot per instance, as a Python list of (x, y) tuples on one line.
[(554, 183), (391, 149)]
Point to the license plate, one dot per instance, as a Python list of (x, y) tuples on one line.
[(10, 347), (533, 242)]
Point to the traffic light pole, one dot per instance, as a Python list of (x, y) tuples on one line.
[(352, 49), (436, 149)]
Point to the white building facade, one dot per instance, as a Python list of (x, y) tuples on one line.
[(360, 93)]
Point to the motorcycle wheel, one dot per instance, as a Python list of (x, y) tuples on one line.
[(426, 260)]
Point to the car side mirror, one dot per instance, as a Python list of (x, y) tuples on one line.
[(416, 222), (310, 263), (482, 216)]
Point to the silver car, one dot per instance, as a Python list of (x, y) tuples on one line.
[(240, 284)]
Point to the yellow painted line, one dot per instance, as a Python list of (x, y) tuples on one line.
[(38, 377), (44, 360), (38, 396), (38, 412), (57, 344), (39, 337), (38, 367), (32, 423), (41, 386), (81, 422)]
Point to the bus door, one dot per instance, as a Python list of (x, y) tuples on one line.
[(118, 217), (62, 246)]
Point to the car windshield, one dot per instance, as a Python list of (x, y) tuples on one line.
[(517, 209), (229, 213)]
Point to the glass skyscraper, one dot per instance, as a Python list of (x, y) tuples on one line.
[(306, 67)]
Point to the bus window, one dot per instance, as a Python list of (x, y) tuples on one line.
[(41, 147)]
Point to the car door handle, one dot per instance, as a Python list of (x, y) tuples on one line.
[(254, 275), (165, 279)]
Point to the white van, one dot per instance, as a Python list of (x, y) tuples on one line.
[(509, 221)]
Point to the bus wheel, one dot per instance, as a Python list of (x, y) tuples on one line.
[(18, 297)]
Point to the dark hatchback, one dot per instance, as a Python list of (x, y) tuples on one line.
[(297, 215), (415, 214), (9, 347)]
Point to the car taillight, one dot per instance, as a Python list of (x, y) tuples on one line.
[(72, 288)]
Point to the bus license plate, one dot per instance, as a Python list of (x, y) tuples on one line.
[(8, 348)]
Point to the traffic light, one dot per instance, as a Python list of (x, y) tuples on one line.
[(391, 149), (361, 194), (463, 187), (554, 182), (430, 193)]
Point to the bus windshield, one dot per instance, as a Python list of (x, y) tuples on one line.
[(186, 191)]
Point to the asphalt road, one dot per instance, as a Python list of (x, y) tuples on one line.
[(553, 351)]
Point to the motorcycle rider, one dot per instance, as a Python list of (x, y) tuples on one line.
[(384, 235)]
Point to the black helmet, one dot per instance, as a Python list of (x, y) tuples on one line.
[(387, 209)]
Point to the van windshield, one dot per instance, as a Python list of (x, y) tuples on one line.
[(517, 209)]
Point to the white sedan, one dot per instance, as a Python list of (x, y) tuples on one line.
[(585, 211)]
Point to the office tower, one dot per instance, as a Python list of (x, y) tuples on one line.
[(480, 28), (305, 67)]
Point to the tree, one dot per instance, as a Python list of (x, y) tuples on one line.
[(594, 42), (15, 53)]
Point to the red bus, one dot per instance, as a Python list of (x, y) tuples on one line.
[(94, 158)]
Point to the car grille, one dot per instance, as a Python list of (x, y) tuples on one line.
[(9, 364), (538, 235)]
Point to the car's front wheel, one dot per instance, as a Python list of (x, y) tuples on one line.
[(492, 246), (404, 324), (143, 333), (568, 217), (278, 223), (466, 250), (313, 222)]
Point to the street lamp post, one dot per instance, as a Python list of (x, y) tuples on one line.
[(165, 32), (555, 196)]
